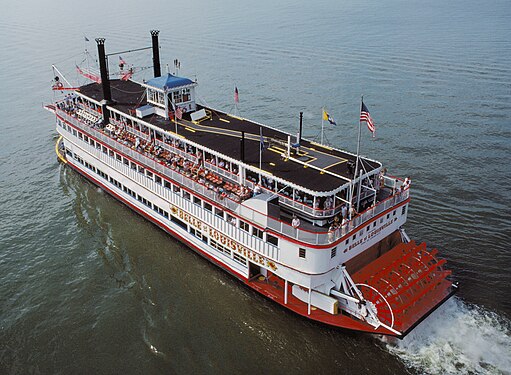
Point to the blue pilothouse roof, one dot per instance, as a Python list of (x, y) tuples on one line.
[(168, 81)]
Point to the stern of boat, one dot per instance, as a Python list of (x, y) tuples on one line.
[(398, 290)]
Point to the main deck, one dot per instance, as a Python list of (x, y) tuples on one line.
[(311, 165)]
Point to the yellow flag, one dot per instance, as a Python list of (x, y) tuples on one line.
[(325, 115)]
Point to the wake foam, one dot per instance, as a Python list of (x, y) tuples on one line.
[(457, 338)]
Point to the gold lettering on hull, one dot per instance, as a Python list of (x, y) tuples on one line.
[(224, 240)]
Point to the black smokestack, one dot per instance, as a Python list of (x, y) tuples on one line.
[(103, 68), (156, 53)]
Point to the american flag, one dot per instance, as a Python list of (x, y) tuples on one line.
[(179, 113), (366, 117), (236, 95), (121, 61)]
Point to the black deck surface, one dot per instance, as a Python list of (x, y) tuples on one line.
[(222, 133)]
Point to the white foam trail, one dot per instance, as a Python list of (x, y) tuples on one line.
[(455, 339)]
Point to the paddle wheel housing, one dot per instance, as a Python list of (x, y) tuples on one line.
[(404, 285)]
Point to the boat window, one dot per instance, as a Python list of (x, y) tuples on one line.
[(238, 258), (403, 211), (302, 252), (333, 252), (245, 226), (186, 195), (141, 169), (208, 207), (231, 219), (272, 239), (197, 200), (219, 212), (157, 179), (176, 189), (257, 232)]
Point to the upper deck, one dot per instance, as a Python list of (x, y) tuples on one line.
[(313, 166)]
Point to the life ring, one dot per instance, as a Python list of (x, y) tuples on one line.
[(173, 209)]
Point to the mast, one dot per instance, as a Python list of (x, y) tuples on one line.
[(322, 123), (261, 143), (358, 150)]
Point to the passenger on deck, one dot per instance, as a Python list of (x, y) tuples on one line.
[(257, 190), (331, 231), (295, 223), (344, 225), (344, 210), (352, 212), (407, 183)]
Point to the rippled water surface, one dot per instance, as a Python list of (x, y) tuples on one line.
[(87, 286)]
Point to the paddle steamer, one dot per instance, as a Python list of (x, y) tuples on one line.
[(316, 229)]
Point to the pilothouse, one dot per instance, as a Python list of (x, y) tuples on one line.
[(316, 229)]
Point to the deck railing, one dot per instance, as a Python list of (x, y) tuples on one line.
[(303, 235)]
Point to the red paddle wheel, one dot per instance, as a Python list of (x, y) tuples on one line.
[(405, 285)]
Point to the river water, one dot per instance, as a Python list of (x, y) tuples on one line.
[(87, 286)]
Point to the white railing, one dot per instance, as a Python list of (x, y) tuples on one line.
[(303, 235)]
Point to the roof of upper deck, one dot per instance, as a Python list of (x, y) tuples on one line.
[(316, 167)]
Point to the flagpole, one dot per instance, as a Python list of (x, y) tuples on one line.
[(322, 123), (260, 152), (174, 108), (358, 146)]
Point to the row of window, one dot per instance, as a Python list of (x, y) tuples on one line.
[(302, 253)]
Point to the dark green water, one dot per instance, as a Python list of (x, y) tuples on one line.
[(87, 286)]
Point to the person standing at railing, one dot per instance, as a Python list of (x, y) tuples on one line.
[(344, 211), (295, 223), (407, 183), (331, 232), (344, 225), (352, 212)]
